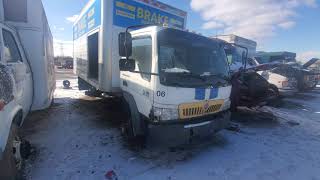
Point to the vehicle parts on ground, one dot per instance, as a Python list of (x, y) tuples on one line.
[(250, 89)]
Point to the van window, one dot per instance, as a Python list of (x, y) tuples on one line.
[(142, 54), (11, 50)]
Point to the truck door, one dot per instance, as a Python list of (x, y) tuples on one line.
[(139, 84), (16, 61)]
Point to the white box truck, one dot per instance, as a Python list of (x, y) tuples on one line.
[(165, 75), (26, 52)]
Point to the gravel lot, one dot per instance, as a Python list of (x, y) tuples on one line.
[(79, 138)]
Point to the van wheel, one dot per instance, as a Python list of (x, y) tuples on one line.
[(12, 161)]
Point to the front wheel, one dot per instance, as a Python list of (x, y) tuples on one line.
[(11, 161), (129, 130)]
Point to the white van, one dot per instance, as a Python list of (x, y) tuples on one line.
[(26, 50)]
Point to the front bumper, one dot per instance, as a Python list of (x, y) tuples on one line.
[(218, 120)]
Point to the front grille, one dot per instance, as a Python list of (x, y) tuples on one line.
[(199, 109)]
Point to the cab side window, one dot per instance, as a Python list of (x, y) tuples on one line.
[(11, 50), (142, 54)]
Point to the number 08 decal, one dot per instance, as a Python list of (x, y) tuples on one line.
[(161, 94)]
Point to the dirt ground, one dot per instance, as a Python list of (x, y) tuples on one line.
[(80, 138)]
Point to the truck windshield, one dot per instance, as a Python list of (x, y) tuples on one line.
[(187, 59)]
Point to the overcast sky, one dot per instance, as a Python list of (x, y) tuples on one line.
[(277, 25)]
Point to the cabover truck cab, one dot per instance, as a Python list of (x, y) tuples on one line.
[(175, 77), (242, 47), (165, 75)]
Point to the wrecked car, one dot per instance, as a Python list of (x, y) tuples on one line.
[(284, 80), (306, 79), (249, 88), (288, 75)]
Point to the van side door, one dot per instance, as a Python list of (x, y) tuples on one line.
[(15, 59)]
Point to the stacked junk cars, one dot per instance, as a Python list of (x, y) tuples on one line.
[(261, 77)]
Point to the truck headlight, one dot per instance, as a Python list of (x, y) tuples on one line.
[(164, 114)]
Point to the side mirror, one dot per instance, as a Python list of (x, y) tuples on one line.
[(127, 64), (125, 44)]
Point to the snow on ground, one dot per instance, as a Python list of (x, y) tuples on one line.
[(79, 138)]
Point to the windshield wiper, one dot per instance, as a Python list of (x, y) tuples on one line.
[(218, 76), (184, 73), (192, 75)]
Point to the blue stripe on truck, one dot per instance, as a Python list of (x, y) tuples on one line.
[(200, 93), (130, 13), (214, 93), (89, 21)]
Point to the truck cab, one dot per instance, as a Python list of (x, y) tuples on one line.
[(174, 77)]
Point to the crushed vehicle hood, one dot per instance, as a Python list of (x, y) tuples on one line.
[(310, 62)]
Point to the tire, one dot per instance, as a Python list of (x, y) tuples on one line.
[(8, 165), (66, 84), (128, 129)]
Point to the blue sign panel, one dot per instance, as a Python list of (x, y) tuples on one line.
[(129, 13), (89, 21), (214, 93), (200, 93)]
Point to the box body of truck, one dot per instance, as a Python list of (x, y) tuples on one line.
[(241, 41), (96, 58)]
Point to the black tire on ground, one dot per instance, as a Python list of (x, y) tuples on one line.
[(66, 84), (134, 139), (8, 168)]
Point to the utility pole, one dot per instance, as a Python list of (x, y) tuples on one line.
[(61, 51)]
